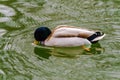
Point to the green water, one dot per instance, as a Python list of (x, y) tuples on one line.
[(20, 60)]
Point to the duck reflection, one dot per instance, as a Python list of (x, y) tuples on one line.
[(96, 49), (69, 52), (77, 51), (42, 52)]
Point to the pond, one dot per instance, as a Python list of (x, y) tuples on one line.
[(20, 60)]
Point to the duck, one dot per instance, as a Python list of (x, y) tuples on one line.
[(67, 36)]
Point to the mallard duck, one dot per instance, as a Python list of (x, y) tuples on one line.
[(67, 36)]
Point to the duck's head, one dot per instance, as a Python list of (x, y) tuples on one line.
[(41, 34)]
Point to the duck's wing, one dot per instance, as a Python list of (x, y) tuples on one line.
[(66, 31)]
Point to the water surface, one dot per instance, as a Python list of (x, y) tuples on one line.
[(20, 60)]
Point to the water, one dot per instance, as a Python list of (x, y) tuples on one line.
[(20, 60)]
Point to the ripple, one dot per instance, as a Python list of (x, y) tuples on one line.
[(20, 42), (5, 19), (2, 72), (7, 12), (2, 32)]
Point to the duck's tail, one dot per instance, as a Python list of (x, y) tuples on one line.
[(96, 37)]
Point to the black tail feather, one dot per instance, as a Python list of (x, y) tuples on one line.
[(95, 35)]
